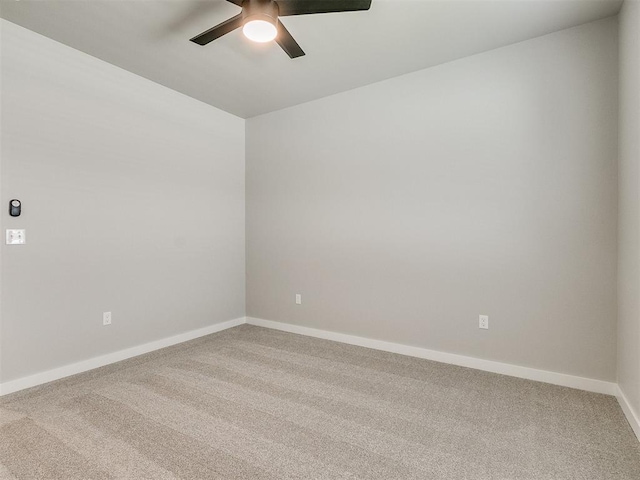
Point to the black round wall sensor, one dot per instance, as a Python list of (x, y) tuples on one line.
[(15, 206)]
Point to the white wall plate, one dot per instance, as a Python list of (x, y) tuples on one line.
[(16, 237)]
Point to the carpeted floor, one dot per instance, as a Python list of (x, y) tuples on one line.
[(252, 403)]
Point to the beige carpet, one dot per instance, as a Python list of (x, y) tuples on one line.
[(252, 403)]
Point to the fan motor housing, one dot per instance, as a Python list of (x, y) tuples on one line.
[(260, 23), (266, 10)]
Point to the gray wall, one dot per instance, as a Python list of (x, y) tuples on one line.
[(629, 206), (133, 201), (402, 210)]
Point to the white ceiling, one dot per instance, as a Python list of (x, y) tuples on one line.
[(344, 50)]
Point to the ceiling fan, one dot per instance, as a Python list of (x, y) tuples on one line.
[(260, 23)]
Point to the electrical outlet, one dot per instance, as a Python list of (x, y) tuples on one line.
[(484, 322), (106, 318), (298, 299)]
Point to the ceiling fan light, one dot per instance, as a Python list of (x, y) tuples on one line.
[(260, 30)]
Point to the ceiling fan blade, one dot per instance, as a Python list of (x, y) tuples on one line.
[(218, 31), (287, 42), (237, 2), (307, 7)]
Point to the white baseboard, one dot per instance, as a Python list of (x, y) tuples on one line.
[(588, 384), (95, 362), (632, 416), (581, 383)]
